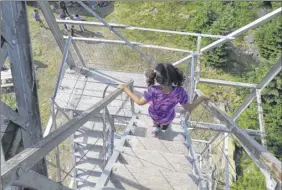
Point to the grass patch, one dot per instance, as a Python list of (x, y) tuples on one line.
[(47, 59)]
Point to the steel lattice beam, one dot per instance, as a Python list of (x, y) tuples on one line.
[(11, 114), (16, 31), (34, 180)]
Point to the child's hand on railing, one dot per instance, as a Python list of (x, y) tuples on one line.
[(204, 98), (122, 86)]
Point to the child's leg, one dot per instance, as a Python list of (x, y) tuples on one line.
[(70, 32), (66, 12), (38, 21), (41, 23), (81, 28), (164, 127), (156, 129)]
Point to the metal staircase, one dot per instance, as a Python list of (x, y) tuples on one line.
[(89, 160), (143, 162), (152, 163)]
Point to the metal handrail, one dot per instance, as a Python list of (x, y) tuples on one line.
[(65, 56), (53, 107), (122, 26), (112, 128), (196, 168), (30, 156)]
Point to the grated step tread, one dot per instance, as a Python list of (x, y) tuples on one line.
[(132, 177), (156, 144), (154, 159)]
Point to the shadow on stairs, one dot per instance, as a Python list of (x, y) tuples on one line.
[(140, 161)]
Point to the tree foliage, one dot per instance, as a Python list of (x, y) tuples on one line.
[(269, 39), (272, 104), (251, 179), (217, 58)]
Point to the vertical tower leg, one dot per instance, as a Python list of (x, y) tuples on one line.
[(16, 30)]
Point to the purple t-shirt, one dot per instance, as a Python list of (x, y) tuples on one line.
[(162, 108)]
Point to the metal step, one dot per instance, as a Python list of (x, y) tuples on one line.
[(154, 159), (155, 144), (89, 171), (87, 179), (133, 177), (89, 163), (85, 140), (90, 151), (90, 133), (92, 125), (89, 138)]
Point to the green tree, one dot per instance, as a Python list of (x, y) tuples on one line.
[(250, 176), (251, 179), (217, 58), (272, 104), (222, 25), (202, 22), (269, 39)]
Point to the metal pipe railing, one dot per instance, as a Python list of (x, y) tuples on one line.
[(196, 168), (111, 131), (65, 56), (268, 164), (120, 42), (53, 106), (122, 26), (198, 67), (54, 124), (30, 156), (192, 78)]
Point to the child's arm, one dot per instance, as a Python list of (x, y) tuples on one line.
[(140, 101), (191, 106)]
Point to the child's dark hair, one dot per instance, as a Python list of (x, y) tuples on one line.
[(166, 75)]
